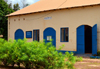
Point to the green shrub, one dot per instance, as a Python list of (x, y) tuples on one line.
[(34, 55), (79, 59), (3, 51), (98, 53)]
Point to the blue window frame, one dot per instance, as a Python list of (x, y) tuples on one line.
[(28, 34), (64, 34), (36, 35)]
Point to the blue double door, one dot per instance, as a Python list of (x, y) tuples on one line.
[(50, 33), (87, 39)]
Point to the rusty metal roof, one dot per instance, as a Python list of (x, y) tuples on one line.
[(45, 5)]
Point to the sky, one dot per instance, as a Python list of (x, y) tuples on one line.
[(19, 2)]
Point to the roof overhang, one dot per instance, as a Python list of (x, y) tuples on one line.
[(53, 10)]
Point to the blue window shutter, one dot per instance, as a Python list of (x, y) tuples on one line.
[(19, 34), (28, 34)]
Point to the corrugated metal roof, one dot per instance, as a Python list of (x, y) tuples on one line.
[(45, 5)]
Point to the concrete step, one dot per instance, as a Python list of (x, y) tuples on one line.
[(84, 55)]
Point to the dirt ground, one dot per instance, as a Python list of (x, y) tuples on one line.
[(9, 67), (88, 63)]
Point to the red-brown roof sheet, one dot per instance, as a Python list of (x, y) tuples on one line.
[(45, 5)]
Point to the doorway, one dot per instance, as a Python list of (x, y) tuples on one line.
[(84, 39), (88, 39)]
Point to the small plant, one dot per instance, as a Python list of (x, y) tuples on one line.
[(98, 53), (79, 59)]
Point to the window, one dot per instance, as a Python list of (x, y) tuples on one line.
[(49, 38), (36, 35), (28, 34), (64, 35)]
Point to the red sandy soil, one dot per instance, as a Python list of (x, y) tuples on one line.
[(88, 63)]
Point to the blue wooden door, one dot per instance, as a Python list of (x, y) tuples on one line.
[(81, 40), (94, 39), (19, 34), (50, 32)]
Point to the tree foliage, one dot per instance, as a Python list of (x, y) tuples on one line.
[(10, 5), (24, 4), (4, 10), (16, 7)]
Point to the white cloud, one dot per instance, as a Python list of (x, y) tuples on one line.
[(30, 1)]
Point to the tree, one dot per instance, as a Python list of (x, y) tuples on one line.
[(10, 5), (27, 4), (4, 10), (16, 7), (24, 4), (6, 1)]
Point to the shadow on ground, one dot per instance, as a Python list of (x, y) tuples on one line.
[(10, 67)]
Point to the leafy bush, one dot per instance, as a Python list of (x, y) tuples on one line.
[(34, 55), (79, 59), (98, 53)]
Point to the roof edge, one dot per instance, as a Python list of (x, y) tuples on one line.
[(54, 9)]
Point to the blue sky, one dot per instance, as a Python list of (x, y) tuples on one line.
[(19, 1)]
